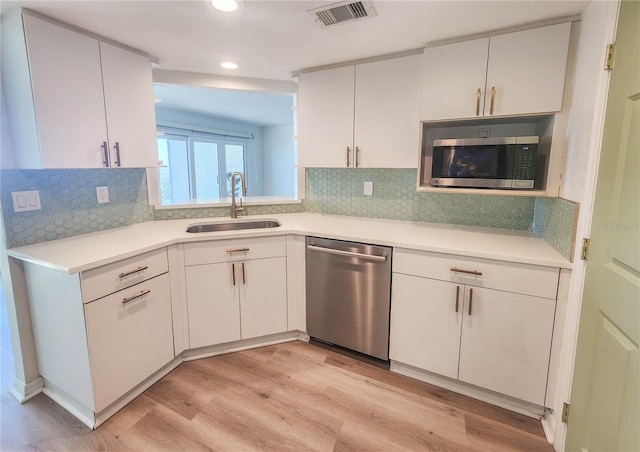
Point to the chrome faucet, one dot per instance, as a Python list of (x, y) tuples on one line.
[(234, 208)]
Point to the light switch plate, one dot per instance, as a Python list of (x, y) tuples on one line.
[(368, 188), (103, 194), (24, 201)]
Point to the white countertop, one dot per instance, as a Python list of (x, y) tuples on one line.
[(83, 252)]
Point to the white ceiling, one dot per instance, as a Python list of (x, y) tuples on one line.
[(272, 39)]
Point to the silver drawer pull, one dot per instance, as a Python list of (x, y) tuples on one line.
[(133, 272), (237, 250), (141, 294), (468, 272), (371, 257)]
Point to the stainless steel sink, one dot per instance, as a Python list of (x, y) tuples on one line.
[(233, 226)]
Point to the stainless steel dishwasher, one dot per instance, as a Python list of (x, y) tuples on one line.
[(349, 295)]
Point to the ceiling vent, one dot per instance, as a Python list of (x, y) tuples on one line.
[(338, 13)]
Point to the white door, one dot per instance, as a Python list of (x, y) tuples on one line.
[(66, 79), (425, 323), (387, 107), (325, 118), (263, 296), (453, 80), (605, 397), (129, 105), (212, 303), (506, 342), (526, 71)]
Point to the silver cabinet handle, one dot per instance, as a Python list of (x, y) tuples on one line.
[(468, 272), (357, 157), (457, 297), (237, 250), (244, 278), (132, 272), (348, 156), (470, 300), (138, 295), (117, 149), (105, 154), (233, 273), (478, 95), (371, 257)]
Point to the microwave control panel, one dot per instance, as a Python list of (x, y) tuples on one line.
[(525, 161)]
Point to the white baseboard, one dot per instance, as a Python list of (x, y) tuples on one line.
[(549, 426), (81, 412), (22, 391), (490, 397)]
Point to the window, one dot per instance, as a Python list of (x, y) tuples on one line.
[(198, 165)]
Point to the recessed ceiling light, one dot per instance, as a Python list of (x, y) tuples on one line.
[(226, 6), (229, 65)]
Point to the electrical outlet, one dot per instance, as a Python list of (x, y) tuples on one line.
[(24, 201), (368, 188), (103, 194)]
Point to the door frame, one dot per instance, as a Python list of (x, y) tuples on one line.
[(557, 430)]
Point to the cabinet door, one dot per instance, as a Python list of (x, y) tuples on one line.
[(212, 304), (325, 117), (128, 97), (130, 341), (452, 76), (527, 70), (425, 327), (66, 80), (387, 119), (263, 296), (506, 342)]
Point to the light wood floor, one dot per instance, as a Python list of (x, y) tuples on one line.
[(292, 396)]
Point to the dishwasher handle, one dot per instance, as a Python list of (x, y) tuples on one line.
[(371, 257)]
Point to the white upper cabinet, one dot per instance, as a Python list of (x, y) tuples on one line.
[(61, 113), (453, 80), (365, 115), (325, 117), (128, 99), (387, 103), (511, 74), (526, 71)]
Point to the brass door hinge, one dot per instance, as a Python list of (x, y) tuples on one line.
[(565, 412), (585, 249), (608, 57)]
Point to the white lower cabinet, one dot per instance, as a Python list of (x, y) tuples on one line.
[(130, 337), (506, 342), (242, 297), (494, 339)]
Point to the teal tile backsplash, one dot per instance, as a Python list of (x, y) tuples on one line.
[(69, 205), (340, 192), (555, 220)]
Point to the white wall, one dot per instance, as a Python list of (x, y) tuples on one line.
[(584, 104), (6, 151), (278, 152), (254, 176)]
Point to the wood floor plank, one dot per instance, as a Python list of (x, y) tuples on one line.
[(524, 423), (495, 436), (290, 396)]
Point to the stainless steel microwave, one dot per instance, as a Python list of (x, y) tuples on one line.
[(502, 162)]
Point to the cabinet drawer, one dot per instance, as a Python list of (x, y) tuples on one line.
[(128, 342), (233, 250), (508, 276), (110, 278)]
